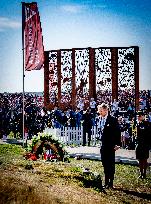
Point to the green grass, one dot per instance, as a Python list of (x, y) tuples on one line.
[(10, 149), (65, 183), (10, 153)]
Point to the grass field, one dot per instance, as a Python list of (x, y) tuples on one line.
[(39, 182)]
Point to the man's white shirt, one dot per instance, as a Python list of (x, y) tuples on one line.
[(101, 124)]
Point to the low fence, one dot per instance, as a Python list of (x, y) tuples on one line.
[(73, 135)]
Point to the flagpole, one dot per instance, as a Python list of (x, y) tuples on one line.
[(23, 16), (31, 45)]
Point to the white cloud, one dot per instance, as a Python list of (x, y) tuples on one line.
[(79, 8), (73, 8), (6, 23)]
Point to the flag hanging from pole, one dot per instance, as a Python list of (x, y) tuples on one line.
[(32, 37)]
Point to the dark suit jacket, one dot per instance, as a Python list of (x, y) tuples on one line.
[(143, 134), (143, 140), (111, 136)]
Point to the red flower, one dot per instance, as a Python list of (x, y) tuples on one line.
[(51, 156), (33, 157)]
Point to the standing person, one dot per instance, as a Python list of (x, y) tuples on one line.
[(130, 111), (87, 125), (115, 107), (80, 105), (143, 143), (93, 106), (78, 117), (111, 140), (121, 126)]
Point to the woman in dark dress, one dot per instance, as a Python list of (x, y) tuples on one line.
[(143, 143)]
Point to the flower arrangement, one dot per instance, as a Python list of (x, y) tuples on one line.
[(43, 142)]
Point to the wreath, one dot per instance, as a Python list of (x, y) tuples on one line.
[(44, 142)]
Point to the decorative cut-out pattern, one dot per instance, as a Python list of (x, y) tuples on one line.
[(126, 69), (53, 78), (66, 75), (103, 69), (82, 72)]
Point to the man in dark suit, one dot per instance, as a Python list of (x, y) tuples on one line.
[(110, 142), (87, 125)]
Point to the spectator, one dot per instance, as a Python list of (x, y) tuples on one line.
[(78, 117), (81, 105), (143, 144), (93, 106), (87, 125), (114, 107)]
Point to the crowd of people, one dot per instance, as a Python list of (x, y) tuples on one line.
[(37, 117), (11, 113)]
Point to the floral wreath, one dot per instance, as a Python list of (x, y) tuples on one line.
[(46, 141)]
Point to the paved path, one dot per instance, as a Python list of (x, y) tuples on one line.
[(122, 155)]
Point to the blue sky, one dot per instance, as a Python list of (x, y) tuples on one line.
[(67, 24)]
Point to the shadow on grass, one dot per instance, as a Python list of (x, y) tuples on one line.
[(146, 196), (89, 181)]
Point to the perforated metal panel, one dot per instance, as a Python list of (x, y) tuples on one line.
[(66, 75), (82, 71), (126, 69), (103, 69), (53, 78)]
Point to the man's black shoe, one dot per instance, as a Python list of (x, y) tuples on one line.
[(141, 177), (108, 186)]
